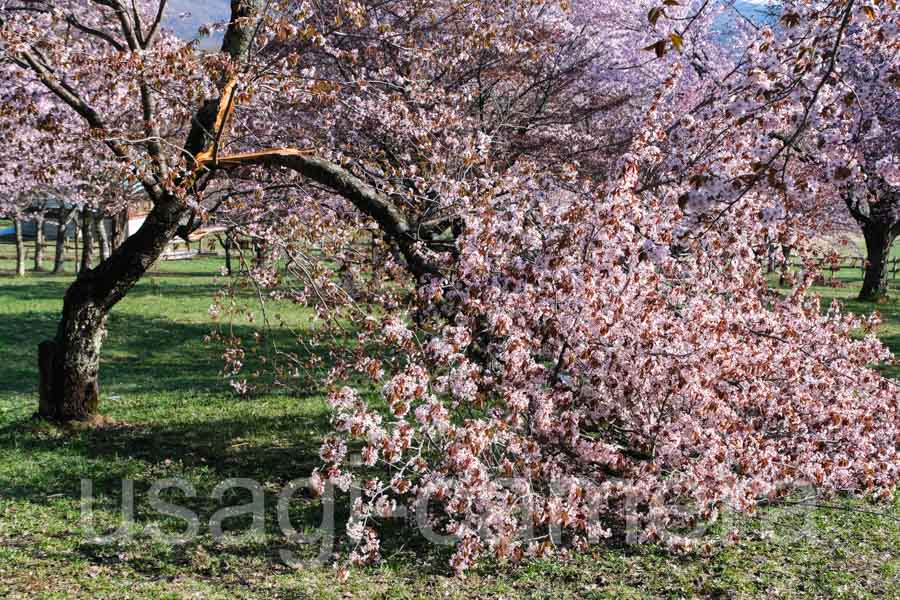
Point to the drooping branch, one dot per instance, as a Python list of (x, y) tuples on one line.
[(363, 196)]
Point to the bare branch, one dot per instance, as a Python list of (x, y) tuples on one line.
[(103, 35), (154, 28)]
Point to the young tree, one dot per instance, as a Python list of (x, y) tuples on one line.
[(20, 248), (38, 219), (65, 217)]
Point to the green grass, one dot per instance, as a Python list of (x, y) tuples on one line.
[(852, 276), (175, 417)]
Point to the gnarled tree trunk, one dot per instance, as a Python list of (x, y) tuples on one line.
[(878, 214), (70, 363)]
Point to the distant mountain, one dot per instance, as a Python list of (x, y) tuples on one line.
[(756, 10), (185, 17)]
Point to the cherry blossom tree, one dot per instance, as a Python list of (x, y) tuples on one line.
[(367, 128), (616, 349), (544, 221), (104, 62), (872, 191)]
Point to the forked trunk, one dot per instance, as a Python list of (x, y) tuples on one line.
[(20, 250), (879, 239)]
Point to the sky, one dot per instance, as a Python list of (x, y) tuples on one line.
[(186, 16)]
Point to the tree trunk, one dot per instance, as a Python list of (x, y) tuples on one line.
[(39, 242), (20, 250), (228, 253), (103, 238), (879, 239), (87, 240), (77, 231), (69, 364), (786, 252), (59, 260), (260, 252), (120, 228)]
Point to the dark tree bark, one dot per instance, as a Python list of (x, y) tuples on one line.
[(228, 253), (39, 241), (880, 223), (782, 278), (879, 240), (20, 250)]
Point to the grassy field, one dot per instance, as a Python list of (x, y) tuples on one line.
[(176, 418)]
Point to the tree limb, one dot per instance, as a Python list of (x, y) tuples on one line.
[(362, 195)]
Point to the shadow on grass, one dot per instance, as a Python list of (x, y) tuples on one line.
[(151, 354), (146, 350), (162, 382), (217, 449), (272, 450)]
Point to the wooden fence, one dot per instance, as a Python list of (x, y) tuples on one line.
[(177, 249), (851, 263)]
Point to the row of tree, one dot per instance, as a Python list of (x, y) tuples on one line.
[(88, 230)]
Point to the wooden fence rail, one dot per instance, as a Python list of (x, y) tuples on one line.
[(859, 264)]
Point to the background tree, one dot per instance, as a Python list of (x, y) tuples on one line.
[(20, 247), (64, 220)]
